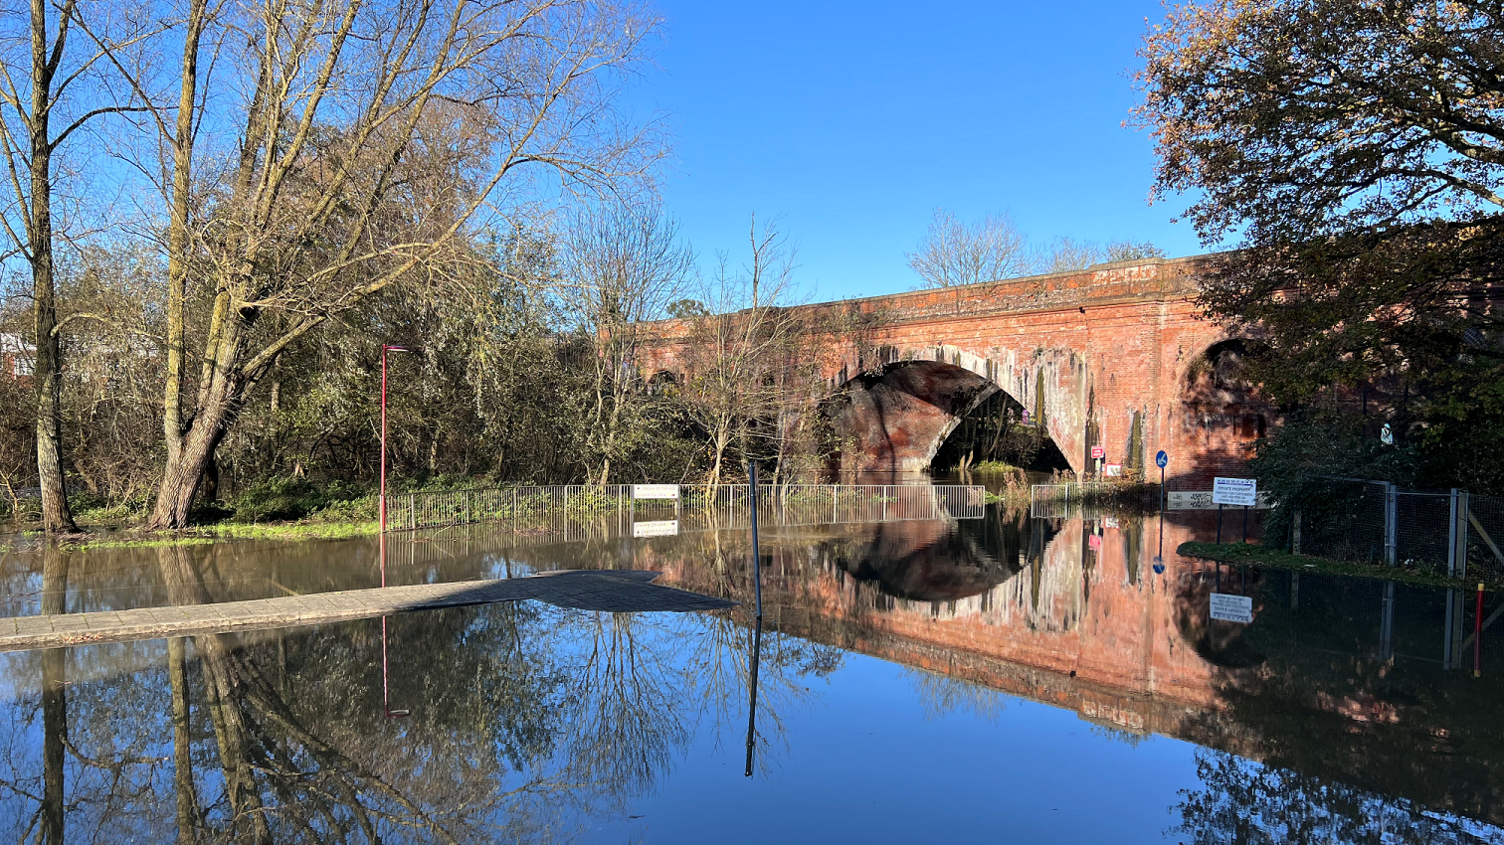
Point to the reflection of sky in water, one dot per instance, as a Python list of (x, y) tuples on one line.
[(1006, 679)]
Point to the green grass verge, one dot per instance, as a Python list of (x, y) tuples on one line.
[(1253, 555), (224, 531)]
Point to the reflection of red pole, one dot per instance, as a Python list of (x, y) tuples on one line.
[(386, 701), (1478, 636)]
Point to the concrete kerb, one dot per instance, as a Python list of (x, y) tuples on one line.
[(604, 590)]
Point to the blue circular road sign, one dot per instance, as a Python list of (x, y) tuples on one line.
[(1162, 459)]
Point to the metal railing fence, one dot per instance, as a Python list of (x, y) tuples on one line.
[(724, 505)]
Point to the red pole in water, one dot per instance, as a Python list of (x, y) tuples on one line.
[(1478, 636)]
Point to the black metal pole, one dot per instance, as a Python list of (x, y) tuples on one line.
[(756, 556), (1219, 524), (1245, 525), (1161, 493)]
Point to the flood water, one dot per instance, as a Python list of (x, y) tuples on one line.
[(1005, 679)]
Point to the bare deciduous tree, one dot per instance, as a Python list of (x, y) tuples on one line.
[(958, 253), (365, 141), (1068, 254), (752, 363), (47, 94), (623, 264)]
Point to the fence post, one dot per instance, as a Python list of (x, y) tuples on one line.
[(468, 520), (1457, 535), (1295, 534), (412, 510), (1391, 529)]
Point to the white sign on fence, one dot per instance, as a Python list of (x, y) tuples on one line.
[(1112, 470), (1235, 491), (661, 528), (1201, 500), (655, 491), (1230, 608)]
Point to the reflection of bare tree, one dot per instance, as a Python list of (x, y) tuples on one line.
[(942, 695), (266, 750), (526, 720), (1244, 802), (188, 818), (624, 721), (54, 701)]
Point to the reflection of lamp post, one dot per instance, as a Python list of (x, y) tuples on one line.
[(381, 496), (386, 700)]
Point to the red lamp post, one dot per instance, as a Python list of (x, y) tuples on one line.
[(381, 496)]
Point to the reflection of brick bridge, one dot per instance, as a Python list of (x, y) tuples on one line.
[(1116, 355)]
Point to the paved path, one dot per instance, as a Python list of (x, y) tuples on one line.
[(611, 590)]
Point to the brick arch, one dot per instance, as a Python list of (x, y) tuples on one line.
[(894, 414)]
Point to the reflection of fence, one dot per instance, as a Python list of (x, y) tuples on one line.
[(1055, 499), (723, 505), (1376, 522)]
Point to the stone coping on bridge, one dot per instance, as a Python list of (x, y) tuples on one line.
[(605, 590)]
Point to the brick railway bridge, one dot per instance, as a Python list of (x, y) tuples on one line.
[(1116, 356)]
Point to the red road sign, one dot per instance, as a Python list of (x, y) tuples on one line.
[(1098, 452)]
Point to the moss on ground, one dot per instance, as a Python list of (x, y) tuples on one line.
[(1254, 555)]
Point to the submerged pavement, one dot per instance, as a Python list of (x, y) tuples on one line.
[(607, 590)]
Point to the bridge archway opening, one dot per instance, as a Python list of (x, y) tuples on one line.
[(999, 430), (895, 418)]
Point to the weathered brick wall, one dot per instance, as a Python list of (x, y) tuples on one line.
[(1105, 356)]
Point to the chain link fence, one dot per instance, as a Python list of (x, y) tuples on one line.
[(1446, 532)]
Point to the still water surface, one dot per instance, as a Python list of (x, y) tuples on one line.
[(1006, 679)]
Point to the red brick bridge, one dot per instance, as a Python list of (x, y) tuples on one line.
[(1116, 356)]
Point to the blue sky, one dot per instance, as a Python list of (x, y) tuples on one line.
[(851, 122)]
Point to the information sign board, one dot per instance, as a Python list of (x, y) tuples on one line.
[(1235, 491), (661, 528), (1231, 608), (655, 491), (1112, 470), (1098, 452)]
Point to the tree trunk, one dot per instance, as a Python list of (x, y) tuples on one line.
[(55, 513), (185, 474)]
